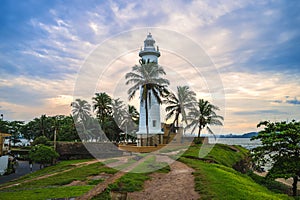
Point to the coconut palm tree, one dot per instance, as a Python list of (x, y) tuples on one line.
[(118, 109), (102, 106), (130, 121), (184, 98), (134, 114), (81, 110), (203, 115), (147, 76)]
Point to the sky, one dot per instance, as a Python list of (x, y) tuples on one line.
[(50, 50)]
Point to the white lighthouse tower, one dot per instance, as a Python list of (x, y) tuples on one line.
[(148, 54)]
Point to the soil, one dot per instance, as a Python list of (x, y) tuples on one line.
[(177, 184)]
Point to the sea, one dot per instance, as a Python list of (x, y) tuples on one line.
[(244, 142)]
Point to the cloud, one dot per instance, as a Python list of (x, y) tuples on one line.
[(259, 112), (252, 43), (24, 96), (294, 101), (288, 100)]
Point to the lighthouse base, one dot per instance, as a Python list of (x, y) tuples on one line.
[(153, 139)]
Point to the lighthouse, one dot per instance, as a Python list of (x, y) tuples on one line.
[(149, 54)]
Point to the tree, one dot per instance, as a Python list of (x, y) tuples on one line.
[(31, 130), (130, 122), (15, 130), (102, 106), (42, 124), (67, 129), (40, 140), (177, 104), (147, 76), (4, 126), (118, 110), (203, 115), (81, 110), (134, 114), (43, 154), (280, 146)]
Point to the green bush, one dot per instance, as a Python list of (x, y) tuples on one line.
[(40, 140), (43, 154)]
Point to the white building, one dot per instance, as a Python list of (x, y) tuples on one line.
[(150, 53)]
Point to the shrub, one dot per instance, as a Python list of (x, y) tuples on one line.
[(40, 140), (43, 154)]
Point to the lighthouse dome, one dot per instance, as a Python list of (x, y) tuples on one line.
[(149, 48)]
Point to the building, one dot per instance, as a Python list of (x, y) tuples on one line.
[(4, 147), (149, 53)]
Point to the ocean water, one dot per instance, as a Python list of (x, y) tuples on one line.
[(244, 142)]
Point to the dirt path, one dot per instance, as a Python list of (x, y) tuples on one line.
[(103, 185), (177, 184)]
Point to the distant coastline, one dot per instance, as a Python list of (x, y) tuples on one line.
[(246, 135), (231, 135)]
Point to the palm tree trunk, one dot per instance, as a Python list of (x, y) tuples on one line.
[(295, 181), (199, 131), (147, 122), (170, 130), (177, 121)]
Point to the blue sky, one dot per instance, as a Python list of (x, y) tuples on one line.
[(253, 44)]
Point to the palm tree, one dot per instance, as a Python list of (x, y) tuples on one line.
[(102, 106), (203, 115), (81, 110), (130, 121), (42, 124), (147, 77), (178, 104), (134, 114), (118, 110)]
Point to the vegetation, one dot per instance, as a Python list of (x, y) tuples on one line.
[(56, 186), (203, 115), (280, 146), (43, 154), (134, 181), (46, 193), (81, 110), (272, 185), (40, 140), (177, 105), (216, 179), (81, 125), (148, 77)]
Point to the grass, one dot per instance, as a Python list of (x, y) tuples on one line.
[(55, 186), (214, 178), (77, 174), (220, 153), (61, 166), (272, 185), (46, 193), (134, 181), (219, 181)]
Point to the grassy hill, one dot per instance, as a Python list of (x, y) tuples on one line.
[(215, 177)]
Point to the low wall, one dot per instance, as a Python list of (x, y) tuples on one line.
[(142, 149), (78, 150)]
